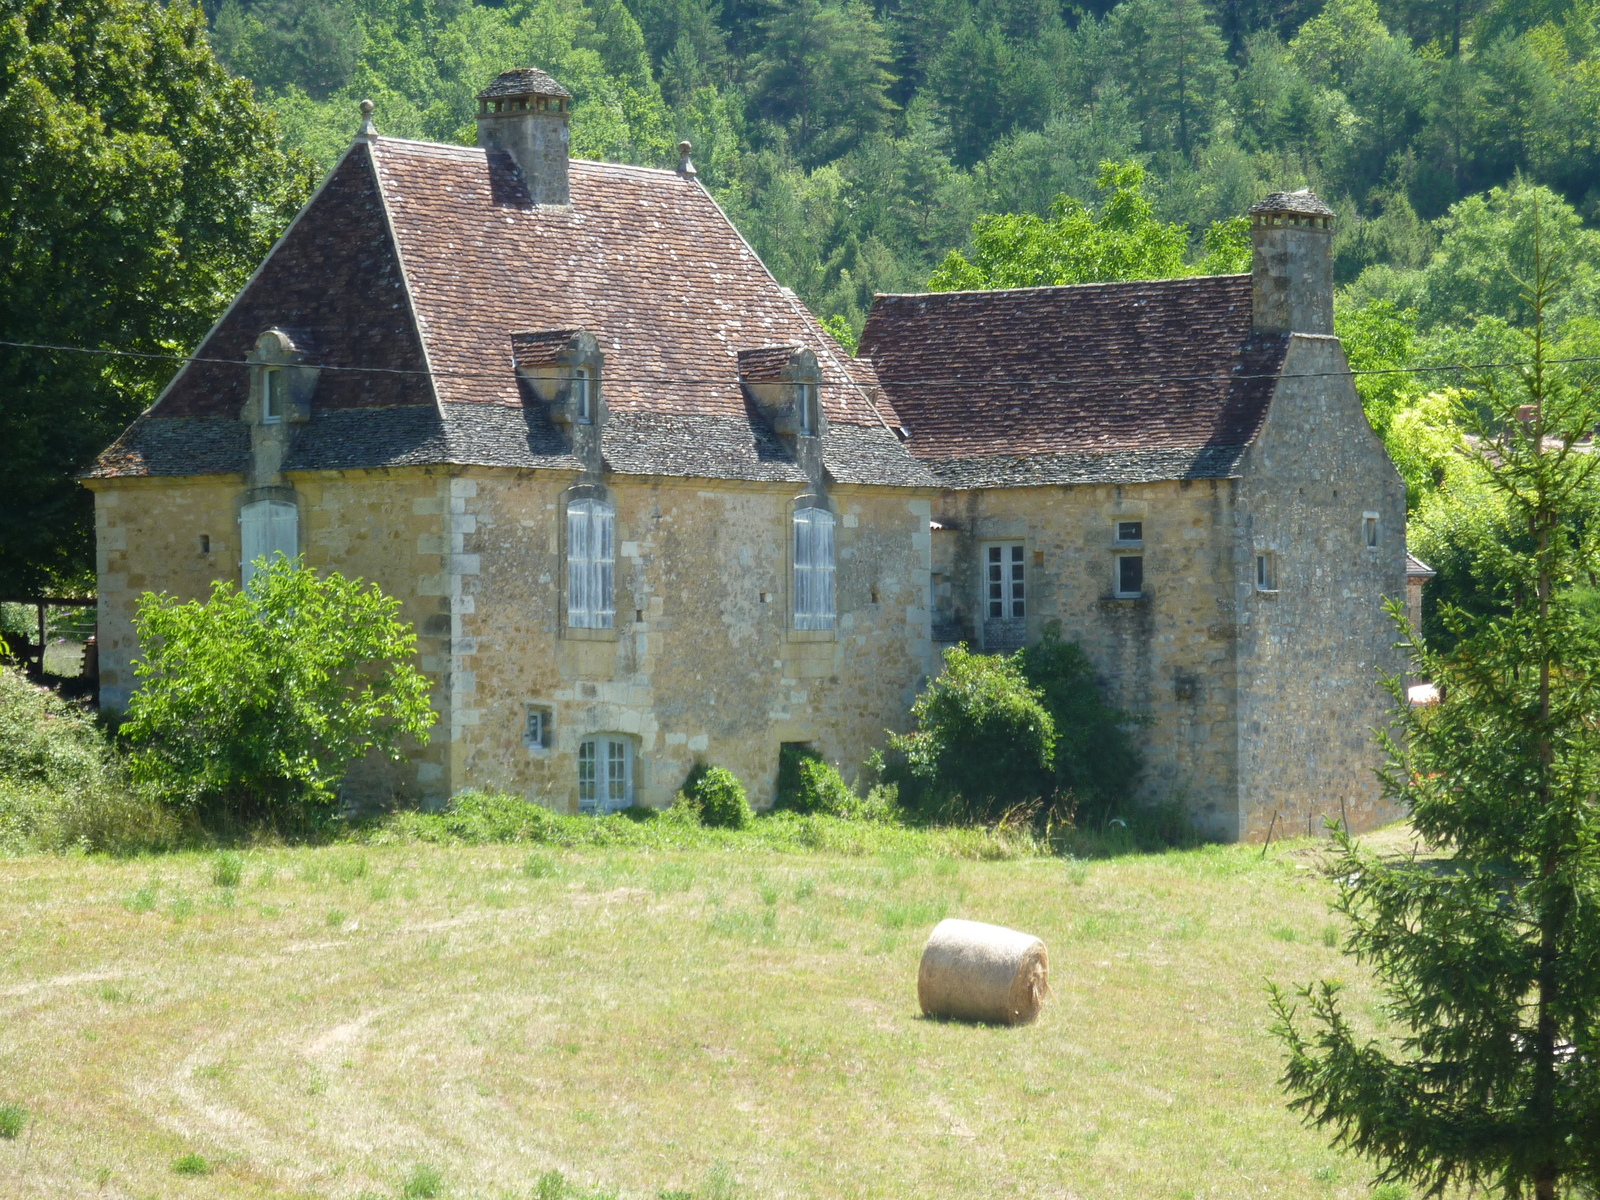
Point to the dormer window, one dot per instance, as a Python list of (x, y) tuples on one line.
[(807, 405), (583, 395), (271, 396)]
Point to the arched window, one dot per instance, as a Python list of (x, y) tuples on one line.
[(813, 568), (267, 528), (590, 559)]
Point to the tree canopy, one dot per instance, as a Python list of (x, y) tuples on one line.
[(139, 187)]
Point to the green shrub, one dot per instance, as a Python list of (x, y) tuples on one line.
[(984, 743), (191, 1164), (1097, 761), (720, 798), (807, 784), (61, 785), (422, 1182), (13, 1119), (253, 704)]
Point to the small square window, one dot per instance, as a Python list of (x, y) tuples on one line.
[(1130, 532), (1369, 530), (1130, 575), (1266, 572), (538, 733)]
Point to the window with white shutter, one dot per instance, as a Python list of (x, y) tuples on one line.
[(590, 564), (267, 528), (813, 568)]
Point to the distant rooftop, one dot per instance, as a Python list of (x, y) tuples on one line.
[(524, 81)]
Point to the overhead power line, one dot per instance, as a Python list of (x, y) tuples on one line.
[(944, 381)]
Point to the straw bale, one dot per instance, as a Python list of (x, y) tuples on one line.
[(977, 972)]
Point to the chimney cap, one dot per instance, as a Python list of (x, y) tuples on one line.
[(685, 165), (368, 129), (524, 81), (1302, 203)]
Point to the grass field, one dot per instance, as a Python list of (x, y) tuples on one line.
[(414, 1021)]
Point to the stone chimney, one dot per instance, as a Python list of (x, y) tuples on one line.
[(1291, 265), (526, 112)]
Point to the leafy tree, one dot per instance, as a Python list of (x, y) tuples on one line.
[(823, 75), (984, 744), (1097, 762), (254, 704), (139, 187), (1125, 241), (279, 44), (1490, 958)]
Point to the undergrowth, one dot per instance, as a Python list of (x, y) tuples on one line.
[(481, 817)]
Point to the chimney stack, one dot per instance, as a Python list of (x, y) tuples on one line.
[(525, 112), (1291, 264)]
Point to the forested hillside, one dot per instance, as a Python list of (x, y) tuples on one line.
[(855, 143)]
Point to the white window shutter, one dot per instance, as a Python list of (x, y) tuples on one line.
[(591, 561), (813, 569), (604, 564), (267, 528)]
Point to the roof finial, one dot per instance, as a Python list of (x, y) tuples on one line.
[(685, 167), (368, 129)]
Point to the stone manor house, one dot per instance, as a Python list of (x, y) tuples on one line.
[(642, 510)]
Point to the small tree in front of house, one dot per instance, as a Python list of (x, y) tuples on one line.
[(252, 705), (1491, 958)]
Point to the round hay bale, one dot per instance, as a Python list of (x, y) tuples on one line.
[(977, 972)]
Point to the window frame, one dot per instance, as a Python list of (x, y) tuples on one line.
[(599, 763), (814, 584), (542, 716), (1117, 589), (592, 576), (1371, 530), (1117, 537), (808, 414), (583, 394), (1013, 555), (271, 390), (1266, 581)]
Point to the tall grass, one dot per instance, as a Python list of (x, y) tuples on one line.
[(61, 786)]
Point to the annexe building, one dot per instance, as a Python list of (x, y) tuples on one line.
[(643, 511)]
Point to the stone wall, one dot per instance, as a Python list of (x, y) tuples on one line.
[(1312, 651), (700, 665), (1167, 655)]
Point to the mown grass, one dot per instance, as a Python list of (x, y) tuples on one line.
[(725, 1020)]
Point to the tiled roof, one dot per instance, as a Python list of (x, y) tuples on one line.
[(1117, 382), (1417, 569), (524, 81), (642, 258), (476, 280)]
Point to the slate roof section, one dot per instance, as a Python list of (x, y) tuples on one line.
[(524, 81), (1417, 569), (1303, 203), (176, 446), (1096, 383)]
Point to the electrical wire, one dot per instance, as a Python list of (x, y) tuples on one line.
[(967, 380)]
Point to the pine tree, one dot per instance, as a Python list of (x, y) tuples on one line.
[(1490, 956), (823, 75)]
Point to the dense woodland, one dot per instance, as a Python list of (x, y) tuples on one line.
[(855, 143)]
